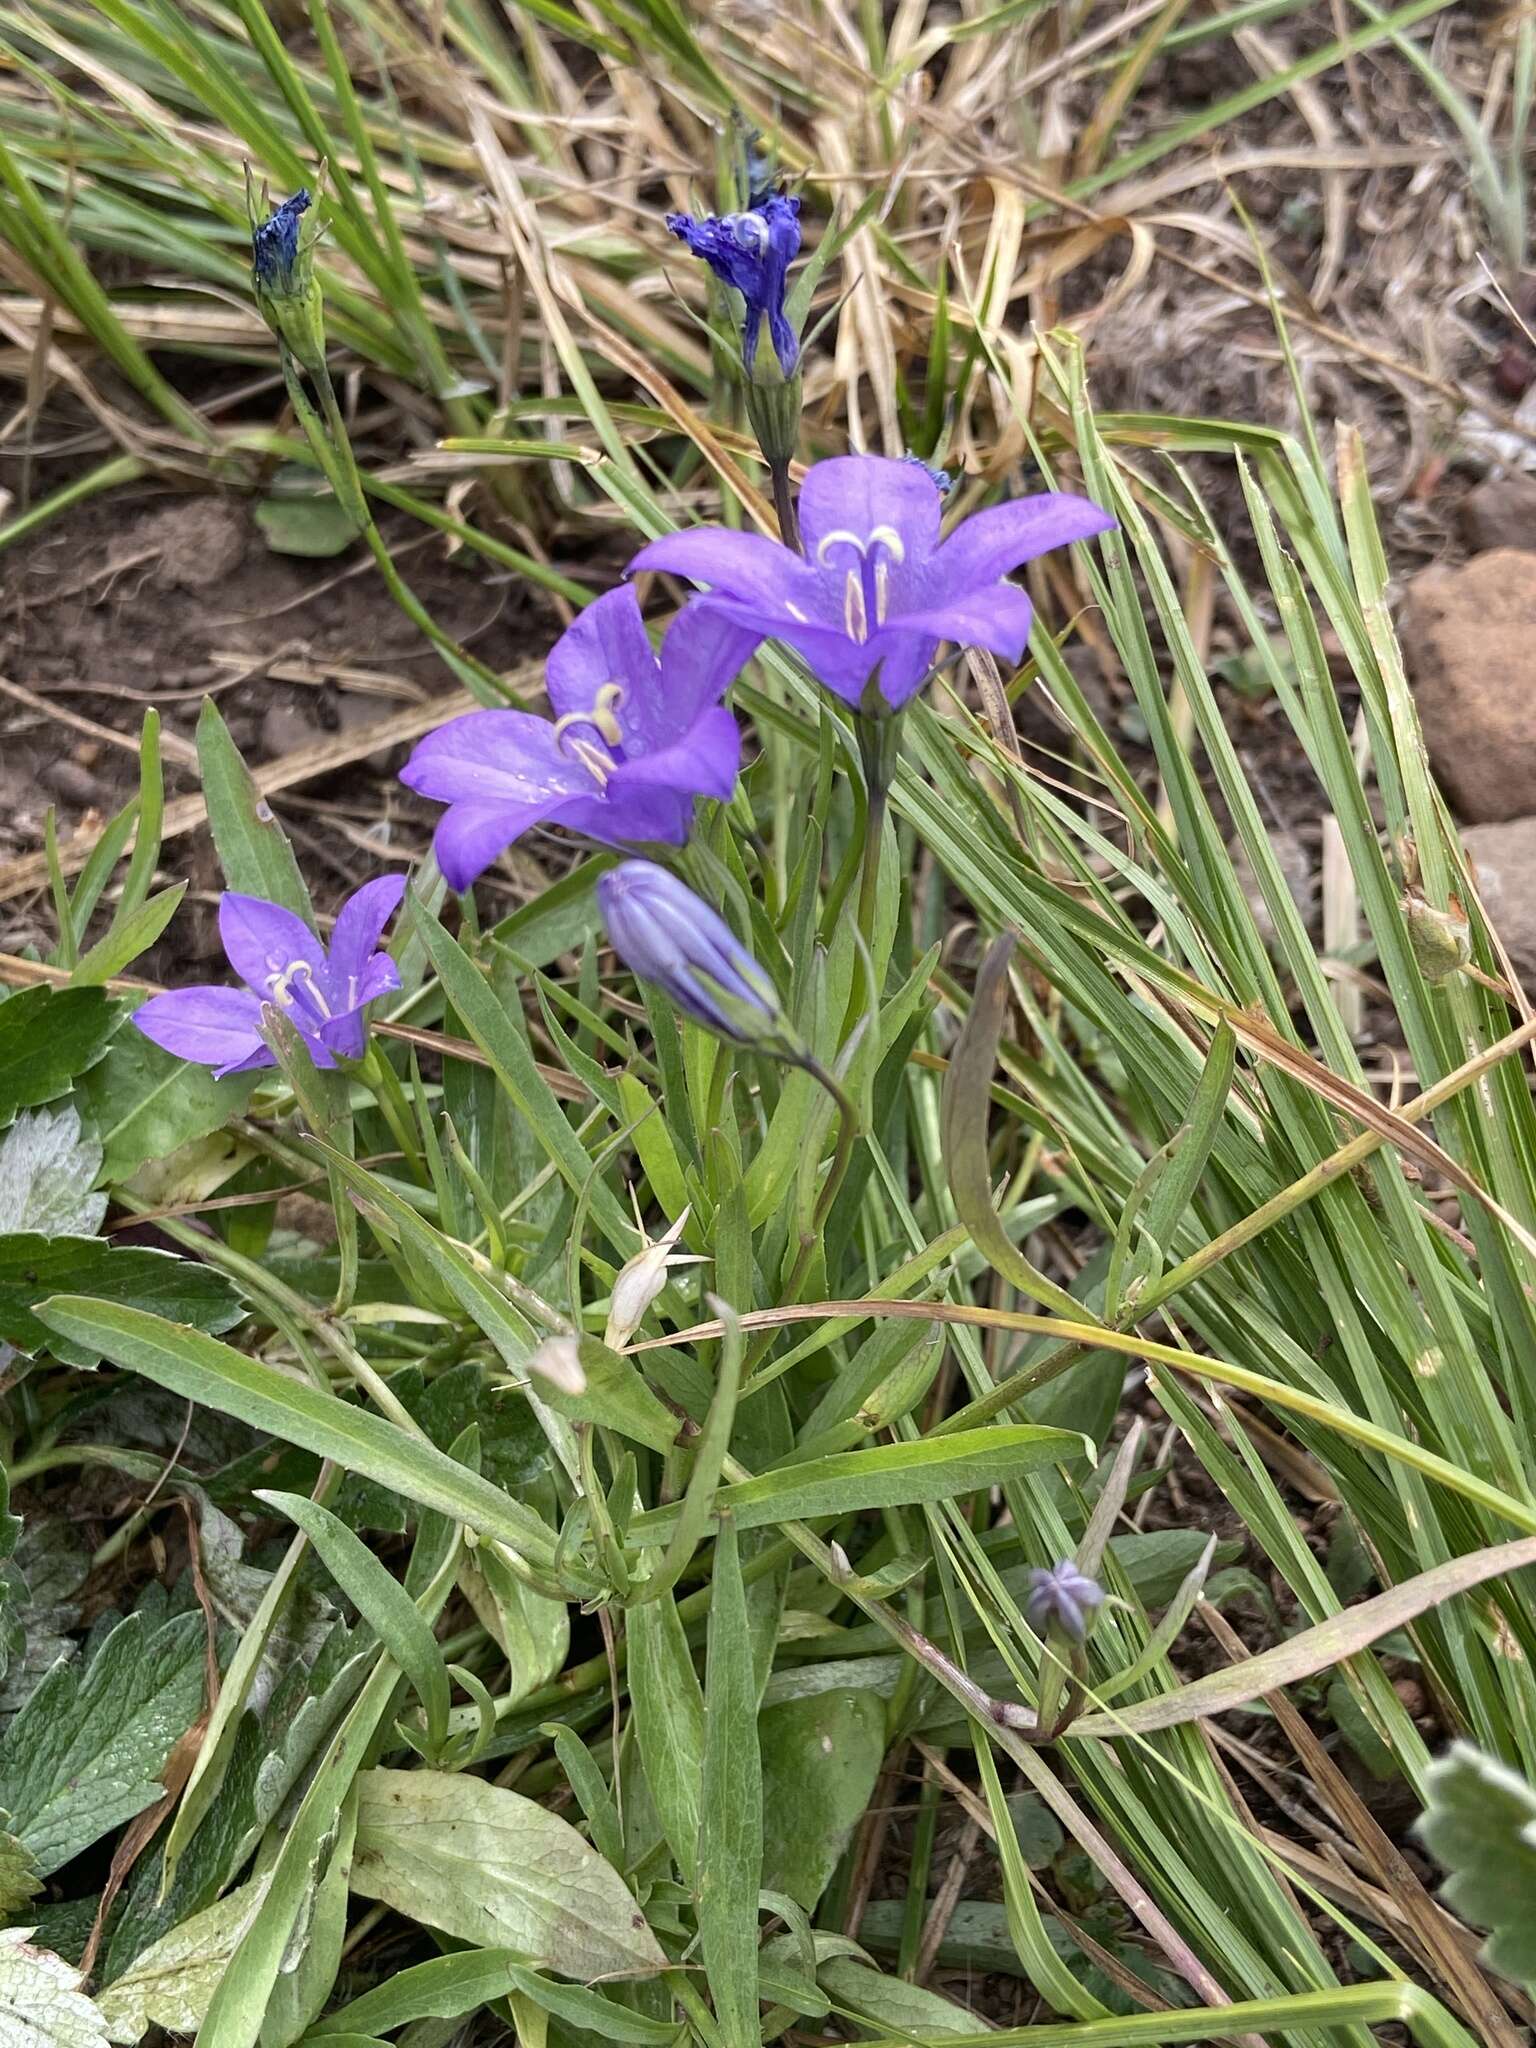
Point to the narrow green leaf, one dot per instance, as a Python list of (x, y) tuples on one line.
[(252, 847), (381, 1600), (731, 1833)]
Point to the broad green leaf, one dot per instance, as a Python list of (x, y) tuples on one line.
[(48, 1036), (307, 522), (47, 1172), (41, 2003), (615, 1397), (821, 1758), (490, 1867), (145, 1104), (908, 2011), (1313, 1649), (32, 1268), (172, 1983), (252, 847), (86, 1752), (19, 1878), (380, 1599), (1480, 1823), (890, 1475), (534, 1632), (202, 1369), (731, 1826), (301, 1993), (451, 1987)]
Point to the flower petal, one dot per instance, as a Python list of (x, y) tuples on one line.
[(856, 496), (743, 565), (703, 762), (997, 618), (263, 940), (470, 836), (494, 760), (359, 925), (215, 1027), (634, 816), (702, 655), (988, 544), (607, 643)]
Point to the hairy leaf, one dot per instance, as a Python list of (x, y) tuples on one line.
[(33, 1267), (145, 1103), (1480, 1822), (41, 2003), (47, 1172)]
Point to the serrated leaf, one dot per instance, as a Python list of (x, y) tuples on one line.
[(48, 1036), (41, 2003), (19, 1876), (47, 1172), (86, 1752), (1480, 1822), (490, 1867), (145, 1104), (172, 1983), (34, 1267)]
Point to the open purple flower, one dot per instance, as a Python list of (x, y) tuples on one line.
[(634, 740), (876, 589), (752, 252), (322, 991)]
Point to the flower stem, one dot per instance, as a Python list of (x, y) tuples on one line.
[(847, 1131), (333, 450), (784, 505)]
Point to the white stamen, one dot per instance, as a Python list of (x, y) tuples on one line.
[(601, 717), (795, 612), (280, 986), (882, 590), (879, 537), (598, 764), (839, 537), (855, 618), (888, 538)]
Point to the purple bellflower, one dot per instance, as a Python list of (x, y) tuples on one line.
[(666, 934), (322, 991), (752, 252), (1061, 1593), (632, 742), (876, 589)]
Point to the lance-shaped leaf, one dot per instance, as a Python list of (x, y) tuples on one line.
[(1315, 1649)]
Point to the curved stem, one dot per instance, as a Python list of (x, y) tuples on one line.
[(784, 505)]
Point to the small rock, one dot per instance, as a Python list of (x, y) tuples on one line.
[(1470, 637), (284, 729), (1500, 513), (70, 782), (1504, 863), (202, 541)]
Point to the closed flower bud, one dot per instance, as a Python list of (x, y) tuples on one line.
[(283, 278), (666, 934), (1441, 939), (640, 1281)]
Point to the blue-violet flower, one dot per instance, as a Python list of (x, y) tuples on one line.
[(275, 245), (322, 991), (876, 590), (666, 934), (632, 742)]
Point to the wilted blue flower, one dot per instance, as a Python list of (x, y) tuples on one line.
[(876, 591), (1063, 1594), (752, 251), (664, 933), (633, 742), (322, 991), (275, 245)]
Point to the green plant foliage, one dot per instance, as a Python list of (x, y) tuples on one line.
[(1480, 1824)]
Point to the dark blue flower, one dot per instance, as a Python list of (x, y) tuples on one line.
[(1065, 1595), (275, 245), (752, 252)]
